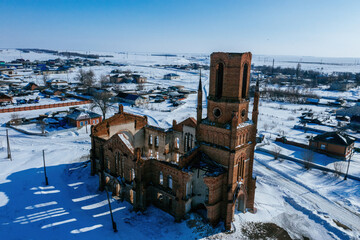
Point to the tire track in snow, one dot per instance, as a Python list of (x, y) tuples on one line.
[(310, 202)]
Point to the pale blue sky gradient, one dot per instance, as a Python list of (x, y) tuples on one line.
[(282, 27)]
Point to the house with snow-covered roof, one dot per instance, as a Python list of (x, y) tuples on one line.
[(57, 83), (79, 118), (336, 144), (133, 99), (5, 99), (353, 113), (171, 76)]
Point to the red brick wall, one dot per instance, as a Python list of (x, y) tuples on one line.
[(37, 107)]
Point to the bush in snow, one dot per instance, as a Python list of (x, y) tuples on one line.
[(308, 157), (276, 151), (339, 168)]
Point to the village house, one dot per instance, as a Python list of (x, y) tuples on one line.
[(342, 86), (5, 99), (7, 71), (139, 79), (171, 76), (117, 78), (45, 70), (31, 86), (79, 118), (127, 78), (132, 99), (203, 165), (335, 144), (57, 83), (353, 113)]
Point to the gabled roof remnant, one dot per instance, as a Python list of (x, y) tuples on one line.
[(335, 138)]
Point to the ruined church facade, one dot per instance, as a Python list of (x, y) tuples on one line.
[(202, 164)]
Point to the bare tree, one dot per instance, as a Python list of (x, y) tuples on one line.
[(87, 78), (308, 157), (298, 71), (103, 81), (44, 79), (276, 151), (339, 168), (140, 86), (42, 126), (281, 132), (102, 100), (15, 118)]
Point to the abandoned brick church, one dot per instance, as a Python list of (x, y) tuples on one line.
[(204, 164)]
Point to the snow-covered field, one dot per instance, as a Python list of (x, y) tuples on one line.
[(306, 203)]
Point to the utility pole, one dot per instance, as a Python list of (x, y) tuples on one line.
[(86, 125), (272, 69), (46, 179), (111, 214), (8, 145)]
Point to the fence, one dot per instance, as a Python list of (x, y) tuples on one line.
[(285, 141), (46, 134), (37, 107)]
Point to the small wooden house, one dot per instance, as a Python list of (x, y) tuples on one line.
[(171, 76), (79, 118), (5, 99), (333, 143)]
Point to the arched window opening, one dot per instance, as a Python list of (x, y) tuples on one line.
[(177, 143), (244, 81), (161, 178), (191, 141), (185, 141), (219, 80), (156, 141), (170, 183), (132, 174)]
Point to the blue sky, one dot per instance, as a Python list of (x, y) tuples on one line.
[(281, 27)]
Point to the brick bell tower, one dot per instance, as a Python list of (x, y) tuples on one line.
[(227, 135)]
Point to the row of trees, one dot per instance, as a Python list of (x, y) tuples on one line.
[(299, 74), (101, 99), (292, 95), (88, 79)]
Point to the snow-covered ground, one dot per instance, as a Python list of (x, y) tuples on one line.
[(326, 64), (306, 203)]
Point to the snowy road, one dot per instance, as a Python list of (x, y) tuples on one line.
[(335, 218)]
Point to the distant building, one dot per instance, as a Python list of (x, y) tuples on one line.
[(133, 99), (7, 71), (57, 84), (79, 118), (127, 78), (31, 86), (117, 78), (353, 113), (342, 86), (63, 69), (333, 143), (5, 99), (314, 101), (139, 79), (171, 76)]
